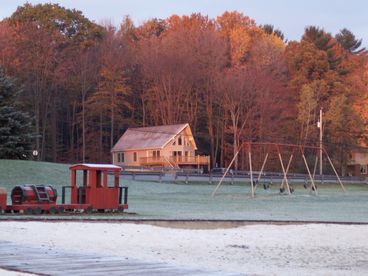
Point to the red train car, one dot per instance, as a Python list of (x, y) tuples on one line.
[(93, 193)]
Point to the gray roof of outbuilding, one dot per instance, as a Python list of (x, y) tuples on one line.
[(147, 137)]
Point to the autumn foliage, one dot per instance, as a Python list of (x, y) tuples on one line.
[(231, 79)]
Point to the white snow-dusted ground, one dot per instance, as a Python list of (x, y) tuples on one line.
[(4, 272), (309, 249)]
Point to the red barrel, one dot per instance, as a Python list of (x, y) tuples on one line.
[(33, 194), (2, 198)]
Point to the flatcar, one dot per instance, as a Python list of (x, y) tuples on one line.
[(94, 194)]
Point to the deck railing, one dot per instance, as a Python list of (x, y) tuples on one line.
[(175, 160)]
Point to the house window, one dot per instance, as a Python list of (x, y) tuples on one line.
[(135, 157), (120, 157), (363, 169), (156, 154), (179, 140)]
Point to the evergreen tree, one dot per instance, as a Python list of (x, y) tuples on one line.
[(348, 41), (318, 37), (15, 125), (324, 42), (270, 29)]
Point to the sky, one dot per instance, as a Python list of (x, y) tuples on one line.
[(290, 16)]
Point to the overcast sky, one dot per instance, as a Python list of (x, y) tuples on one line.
[(291, 16)]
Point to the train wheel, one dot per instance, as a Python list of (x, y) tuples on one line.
[(28, 211), (37, 211), (53, 210), (61, 209), (88, 210)]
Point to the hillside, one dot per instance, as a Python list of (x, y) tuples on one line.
[(16, 172)]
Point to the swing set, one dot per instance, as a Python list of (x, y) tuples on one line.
[(277, 148)]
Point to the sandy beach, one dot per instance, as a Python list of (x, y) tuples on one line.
[(319, 249)]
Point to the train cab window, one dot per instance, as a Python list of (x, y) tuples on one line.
[(135, 157), (85, 178), (99, 182)]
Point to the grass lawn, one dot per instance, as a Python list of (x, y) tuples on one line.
[(193, 201)]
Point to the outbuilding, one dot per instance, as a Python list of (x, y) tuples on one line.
[(357, 163)]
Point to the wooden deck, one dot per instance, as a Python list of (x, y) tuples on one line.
[(176, 161), (47, 261)]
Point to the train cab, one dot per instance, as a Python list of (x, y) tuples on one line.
[(93, 187)]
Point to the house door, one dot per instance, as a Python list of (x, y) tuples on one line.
[(177, 156)]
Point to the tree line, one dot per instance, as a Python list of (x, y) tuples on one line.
[(83, 84)]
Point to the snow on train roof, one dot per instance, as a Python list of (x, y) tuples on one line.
[(96, 166)]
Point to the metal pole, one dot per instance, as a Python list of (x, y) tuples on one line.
[(320, 143), (227, 169), (285, 172), (125, 195), (309, 173), (250, 169), (315, 167), (338, 178), (262, 168), (120, 194)]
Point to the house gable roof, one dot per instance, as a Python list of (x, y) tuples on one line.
[(148, 137)]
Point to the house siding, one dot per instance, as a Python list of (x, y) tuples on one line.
[(129, 157), (170, 147), (187, 145), (357, 164)]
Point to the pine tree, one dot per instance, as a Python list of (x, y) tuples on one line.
[(270, 29), (15, 125), (348, 41)]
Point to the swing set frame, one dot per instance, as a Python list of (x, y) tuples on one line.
[(278, 147)]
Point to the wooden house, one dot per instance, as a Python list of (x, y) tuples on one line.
[(357, 164), (159, 146)]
